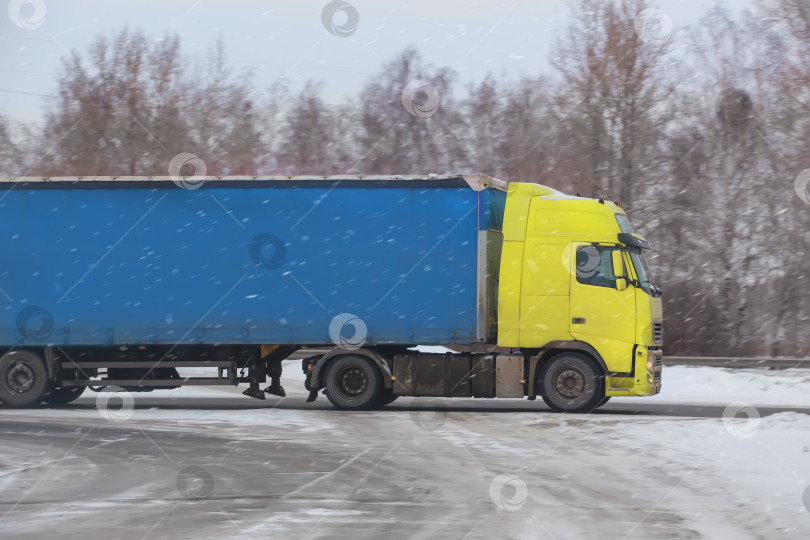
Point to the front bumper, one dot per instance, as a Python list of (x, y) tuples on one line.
[(647, 380)]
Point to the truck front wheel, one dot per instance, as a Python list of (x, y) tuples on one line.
[(23, 379), (353, 382), (571, 383)]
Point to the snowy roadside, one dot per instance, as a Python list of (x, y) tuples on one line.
[(711, 385)]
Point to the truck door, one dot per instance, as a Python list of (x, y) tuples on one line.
[(600, 314)]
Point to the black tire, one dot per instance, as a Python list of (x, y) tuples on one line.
[(63, 396), (571, 383), (602, 402), (353, 382), (387, 397), (551, 405), (23, 379)]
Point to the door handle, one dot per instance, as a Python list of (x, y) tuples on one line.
[(578, 320)]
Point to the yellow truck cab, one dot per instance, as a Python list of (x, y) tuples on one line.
[(576, 293)]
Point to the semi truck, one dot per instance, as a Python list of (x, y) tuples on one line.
[(125, 281)]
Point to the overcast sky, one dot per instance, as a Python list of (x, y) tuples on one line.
[(286, 38)]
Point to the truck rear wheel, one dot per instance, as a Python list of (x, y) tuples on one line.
[(63, 396), (387, 396), (23, 379), (571, 383), (353, 382)]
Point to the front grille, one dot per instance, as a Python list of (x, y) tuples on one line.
[(658, 332)]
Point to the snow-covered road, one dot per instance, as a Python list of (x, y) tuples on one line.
[(209, 463)]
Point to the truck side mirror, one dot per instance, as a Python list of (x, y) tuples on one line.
[(618, 269), (617, 263)]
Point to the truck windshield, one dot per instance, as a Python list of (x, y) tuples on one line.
[(645, 278)]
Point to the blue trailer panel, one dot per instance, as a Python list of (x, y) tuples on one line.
[(245, 261)]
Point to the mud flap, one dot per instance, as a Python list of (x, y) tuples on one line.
[(313, 392), (531, 382)]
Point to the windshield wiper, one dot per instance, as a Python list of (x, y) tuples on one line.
[(655, 290)]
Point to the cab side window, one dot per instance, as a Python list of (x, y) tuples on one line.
[(594, 266)]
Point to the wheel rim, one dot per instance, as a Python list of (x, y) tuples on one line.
[(352, 382), (570, 383), (20, 378)]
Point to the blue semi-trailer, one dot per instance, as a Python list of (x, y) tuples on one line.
[(123, 281)]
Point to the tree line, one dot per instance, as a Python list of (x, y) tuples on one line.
[(702, 132)]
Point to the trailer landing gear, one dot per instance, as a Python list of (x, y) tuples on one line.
[(254, 391), (276, 389)]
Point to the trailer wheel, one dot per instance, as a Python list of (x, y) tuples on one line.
[(353, 382), (571, 383), (63, 396), (23, 379)]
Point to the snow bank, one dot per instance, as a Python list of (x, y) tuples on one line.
[(710, 385)]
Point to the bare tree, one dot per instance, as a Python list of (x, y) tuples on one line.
[(394, 140), (613, 88), (307, 139), (10, 153), (223, 125), (134, 103)]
